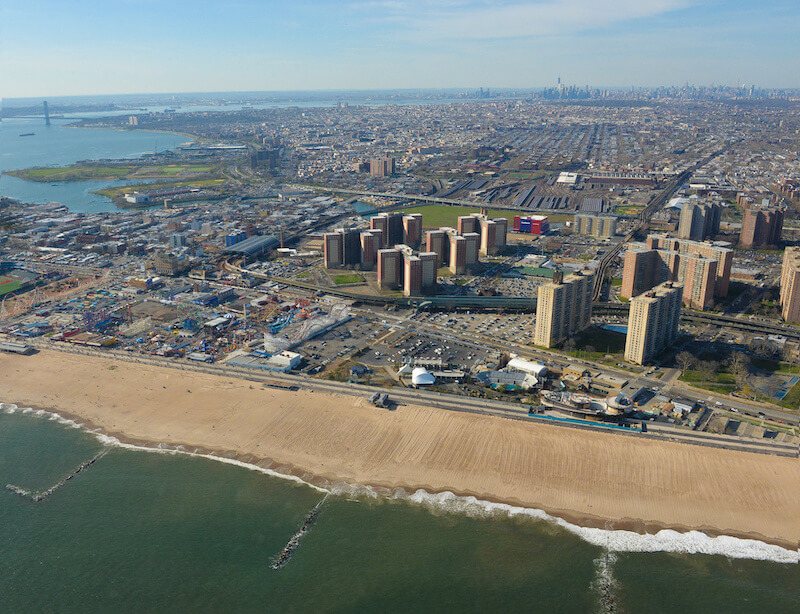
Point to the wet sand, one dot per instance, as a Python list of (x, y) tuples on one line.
[(584, 477)]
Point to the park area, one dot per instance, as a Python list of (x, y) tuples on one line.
[(113, 172), (597, 344), (347, 279), (742, 374)]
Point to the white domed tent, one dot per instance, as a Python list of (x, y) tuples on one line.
[(536, 369), (421, 377)]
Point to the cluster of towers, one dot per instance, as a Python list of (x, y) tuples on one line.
[(699, 220), (394, 243), (762, 226), (703, 269)]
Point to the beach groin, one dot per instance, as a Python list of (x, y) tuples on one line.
[(40, 496), (285, 555), (659, 493)]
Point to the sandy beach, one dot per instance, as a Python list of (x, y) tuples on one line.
[(584, 477)]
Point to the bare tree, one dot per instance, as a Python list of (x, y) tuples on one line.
[(685, 360), (739, 365), (707, 368), (569, 345)]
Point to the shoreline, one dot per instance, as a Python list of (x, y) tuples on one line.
[(414, 449), (295, 474)]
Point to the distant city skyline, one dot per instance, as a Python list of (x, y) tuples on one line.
[(50, 48)]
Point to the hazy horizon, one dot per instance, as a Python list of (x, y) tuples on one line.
[(328, 94)]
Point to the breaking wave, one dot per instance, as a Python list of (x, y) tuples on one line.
[(613, 540)]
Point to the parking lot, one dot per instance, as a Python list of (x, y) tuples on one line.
[(340, 342), (515, 328)]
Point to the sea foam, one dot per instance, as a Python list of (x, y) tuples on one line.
[(613, 540)]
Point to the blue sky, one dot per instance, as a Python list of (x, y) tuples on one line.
[(71, 47)]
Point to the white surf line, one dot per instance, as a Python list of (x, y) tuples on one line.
[(604, 582), (665, 540), (285, 555), (40, 496), (616, 540), (108, 440)]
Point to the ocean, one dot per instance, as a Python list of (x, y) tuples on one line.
[(141, 531)]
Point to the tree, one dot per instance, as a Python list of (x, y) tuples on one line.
[(686, 360), (739, 365), (569, 345), (707, 369)]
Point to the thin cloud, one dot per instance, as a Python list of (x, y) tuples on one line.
[(450, 19)]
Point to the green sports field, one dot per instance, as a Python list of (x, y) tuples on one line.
[(8, 284)]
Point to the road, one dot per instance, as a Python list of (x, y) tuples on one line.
[(426, 398), (667, 384)]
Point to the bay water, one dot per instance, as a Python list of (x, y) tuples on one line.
[(61, 144)]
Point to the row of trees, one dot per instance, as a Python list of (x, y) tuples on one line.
[(737, 364)]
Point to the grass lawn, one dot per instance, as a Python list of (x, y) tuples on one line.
[(773, 366), (434, 216), (352, 278), (602, 340), (8, 284), (694, 377), (119, 191), (718, 388), (616, 282), (171, 170), (75, 173), (200, 183), (93, 172), (629, 210), (792, 398)]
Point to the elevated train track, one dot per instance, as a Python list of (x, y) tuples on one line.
[(713, 319), (644, 219)]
